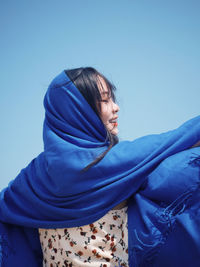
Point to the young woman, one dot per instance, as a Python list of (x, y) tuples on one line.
[(90, 200), (104, 242)]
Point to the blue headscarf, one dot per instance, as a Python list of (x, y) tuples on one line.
[(53, 192)]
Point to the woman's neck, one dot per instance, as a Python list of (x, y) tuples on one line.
[(120, 205)]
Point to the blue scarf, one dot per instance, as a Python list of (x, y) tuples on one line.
[(157, 173)]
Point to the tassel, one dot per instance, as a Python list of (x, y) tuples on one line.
[(5, 250), (147, 253)]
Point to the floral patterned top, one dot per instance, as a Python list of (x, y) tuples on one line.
[(103, 243)]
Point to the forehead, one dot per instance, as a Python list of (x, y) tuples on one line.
[(102, 86)]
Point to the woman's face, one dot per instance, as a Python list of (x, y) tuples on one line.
[(109, 109)]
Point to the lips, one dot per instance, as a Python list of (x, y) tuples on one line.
[(115, 124), (114, 121)]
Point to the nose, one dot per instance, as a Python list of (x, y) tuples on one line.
[(115, 107)]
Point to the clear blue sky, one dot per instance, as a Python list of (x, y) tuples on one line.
[(148, 49)]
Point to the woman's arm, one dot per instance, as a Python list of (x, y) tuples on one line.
[(197, 144)]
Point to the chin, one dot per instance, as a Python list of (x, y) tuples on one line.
[(114, 132)]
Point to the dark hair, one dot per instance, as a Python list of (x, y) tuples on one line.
[(87, 81)]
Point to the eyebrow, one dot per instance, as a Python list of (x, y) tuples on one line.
[(105, 93)]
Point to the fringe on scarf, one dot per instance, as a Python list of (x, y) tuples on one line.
[(5, 250), (167, 217)]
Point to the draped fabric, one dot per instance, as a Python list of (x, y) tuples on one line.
[(158, 174)]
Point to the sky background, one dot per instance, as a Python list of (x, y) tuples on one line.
[(148, 49)]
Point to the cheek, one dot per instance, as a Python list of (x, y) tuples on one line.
[(105, 114)]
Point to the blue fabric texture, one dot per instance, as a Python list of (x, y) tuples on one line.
[(158, 174)]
